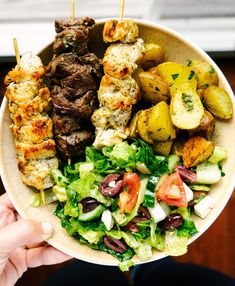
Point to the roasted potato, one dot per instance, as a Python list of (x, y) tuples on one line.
[(206, 127), (186, 76), (170, 71), (196, 150), (153, 70), (153, 55), (133, 125), (154, 87), (136, 73), (142, 126), (186, 109), (205, 73), (218, 102), (163, 147), (159, 125)]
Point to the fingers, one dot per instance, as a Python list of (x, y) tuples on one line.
[(4, 199), (45, 255), (7, 215), (21, 233)]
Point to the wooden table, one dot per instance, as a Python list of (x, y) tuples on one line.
[(214, 249)]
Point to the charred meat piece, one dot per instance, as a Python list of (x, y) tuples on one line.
[(71, 41), (73, 145), (78, 23), (65, 124), (82, 107)]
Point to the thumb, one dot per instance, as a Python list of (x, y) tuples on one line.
[(22, 232)]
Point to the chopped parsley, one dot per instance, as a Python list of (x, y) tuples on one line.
[(175, 75), (188, 101), (191, 75), (212, 70)]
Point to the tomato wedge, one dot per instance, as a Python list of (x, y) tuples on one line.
[(172, 191), (128, 199)]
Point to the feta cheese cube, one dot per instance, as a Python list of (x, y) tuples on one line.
[(203, 208)]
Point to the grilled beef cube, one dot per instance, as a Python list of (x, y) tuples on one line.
[(71, 41), (82, 107), (78, 23), (65, 124), (94, 63), (73, 146)]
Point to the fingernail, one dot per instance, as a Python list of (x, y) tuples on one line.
[(47, 229)]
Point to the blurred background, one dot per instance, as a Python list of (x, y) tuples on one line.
[(208, 23)]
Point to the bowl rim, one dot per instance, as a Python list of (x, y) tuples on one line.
[(209, 221)]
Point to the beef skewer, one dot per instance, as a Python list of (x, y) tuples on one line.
[(28, 102), (74, 75)]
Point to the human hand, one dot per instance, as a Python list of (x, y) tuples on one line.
[(21, 244)]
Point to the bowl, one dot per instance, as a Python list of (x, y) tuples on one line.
[(177, 48)]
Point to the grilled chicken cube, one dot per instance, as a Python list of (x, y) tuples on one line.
[(109, 137), (118, 93), (120, 60), (125, 31)]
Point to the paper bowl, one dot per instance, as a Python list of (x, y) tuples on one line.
[(176, 48)]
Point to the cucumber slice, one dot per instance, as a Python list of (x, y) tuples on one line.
[(97, 212)]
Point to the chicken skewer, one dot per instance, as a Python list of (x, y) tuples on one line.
[(118, 90), (28, 101)]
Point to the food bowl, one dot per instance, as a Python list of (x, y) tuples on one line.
[(177, 49)]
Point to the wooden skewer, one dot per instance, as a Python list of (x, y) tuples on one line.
[(16, 51), (121, 13), (71, 10)]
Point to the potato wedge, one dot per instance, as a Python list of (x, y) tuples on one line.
[(142, 126), (218, 102), (170, 71), (136, 73), (186, 109), (133, 125), (153, 55), (196, 150), (159, 125), (205, 73), (154, 87), (206, 127), (163, 147)]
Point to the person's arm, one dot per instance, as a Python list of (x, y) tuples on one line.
[(21, 244)]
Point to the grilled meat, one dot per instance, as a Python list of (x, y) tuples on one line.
[(125, 31), (118, 90), (74, 78), (32, 128)]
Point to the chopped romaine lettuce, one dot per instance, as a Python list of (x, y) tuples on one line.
[(175, 245), (125, 265)]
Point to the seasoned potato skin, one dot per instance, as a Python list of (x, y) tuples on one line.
[(133, 125), (218, 102), (154, 87), (206, 127), (196, 150), (163, 147), (159, 123), (205, 73), (153, 55), (142, 126)]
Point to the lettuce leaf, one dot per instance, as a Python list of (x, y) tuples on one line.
[(175, 245)]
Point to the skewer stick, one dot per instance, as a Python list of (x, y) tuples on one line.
[(71, 10), (16, 51), (121, 12)]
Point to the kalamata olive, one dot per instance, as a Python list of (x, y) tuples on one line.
[(142, 215), (172, 222), (196, 196), (89, 204), (111, 185), (185, 174), (114, 244), (131, 226)]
